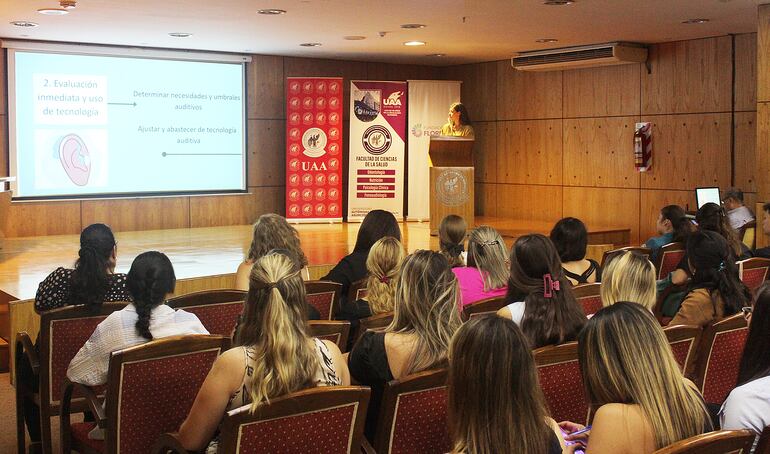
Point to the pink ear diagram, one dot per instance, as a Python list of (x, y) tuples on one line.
[(75, 159)]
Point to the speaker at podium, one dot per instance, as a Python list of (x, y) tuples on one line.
[(451, 179)]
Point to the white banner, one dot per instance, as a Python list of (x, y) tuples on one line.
[(377, 131), (429, 102)]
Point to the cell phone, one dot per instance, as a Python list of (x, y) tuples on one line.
[(581, 431)]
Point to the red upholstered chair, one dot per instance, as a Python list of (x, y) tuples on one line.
[(683, 340), (482, 307), (587, 295), (62, 332), (609, 255), (719, 442), (561, 381), (150, 389), (413, 415), (374, 323), (218, 310), (324, 296), (753, 272), (332, 330), (719, 358), (314, 421), (357, 291), (668, 258)]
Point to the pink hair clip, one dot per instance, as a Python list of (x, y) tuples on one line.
[(550, 285), (385, 280)]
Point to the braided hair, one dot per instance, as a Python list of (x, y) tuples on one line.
[(90, 279), (149, 280)]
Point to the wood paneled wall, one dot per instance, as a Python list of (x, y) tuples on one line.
[(560, 143), (265, 147)]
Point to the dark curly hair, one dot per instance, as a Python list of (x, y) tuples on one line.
[(90, 279)]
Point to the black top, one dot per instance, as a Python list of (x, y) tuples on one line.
[(350, 269), (368, 363), (55, 290), (761, 252), (583, 278), (355, 311), (554, 447)]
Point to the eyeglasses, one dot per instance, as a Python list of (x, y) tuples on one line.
[(747, 310)]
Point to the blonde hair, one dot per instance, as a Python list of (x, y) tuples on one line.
[(382, 264), (271, 231), (274, 327), (487, 252), (629, 277), (426, 306), (451, 239), (625, 358)]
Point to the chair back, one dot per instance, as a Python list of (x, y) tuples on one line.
[(331, 330), (324, 296), (748, 234), (482, 307), (668, 258), (317, 420), (720, 357), (218, 310), (151, 388), (374, 323), (683, 340), (561, 381), (588, 296), (609, 255), (357, 290), (413, 415), (753, 272), (719, 442)]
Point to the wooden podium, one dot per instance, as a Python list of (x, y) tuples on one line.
[(5, 206), (451, 180)]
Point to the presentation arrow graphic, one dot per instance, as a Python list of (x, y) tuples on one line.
[(122, 104)]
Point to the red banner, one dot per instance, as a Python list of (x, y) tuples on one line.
[(314, 149)]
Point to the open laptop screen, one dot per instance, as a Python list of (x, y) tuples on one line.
[(706, 195)]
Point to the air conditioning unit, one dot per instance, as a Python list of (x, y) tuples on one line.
[(618, 53)]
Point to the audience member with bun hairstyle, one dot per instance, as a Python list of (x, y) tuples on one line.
[(672, 226), (570, 237), (547, 313), (641, 400), (451, 239), (93, 280), (486, 275), (425, 317), (495, 402), (629, 277), (273, 355), (150, 281)]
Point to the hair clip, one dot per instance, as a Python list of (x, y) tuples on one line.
[(722, 266), (550, 285), (385, 279)]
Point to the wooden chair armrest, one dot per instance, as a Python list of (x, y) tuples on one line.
[(94, 404), (25, 347), (169, 443), (366, 447)]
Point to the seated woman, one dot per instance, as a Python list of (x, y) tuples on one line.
[(271, 231), (715, 290), (93, 280), (486, 275), (672, 226), (507, 413), (539, 297), (150, 281), (570, 237), (274, 355), (629, 277), (352, 267), (424, 319), (451, 239), (748, 405), (641, 399), (383, 265)]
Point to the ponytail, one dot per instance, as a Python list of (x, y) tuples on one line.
[(149, 280), (715, 270), (90, 280), (451, 236)]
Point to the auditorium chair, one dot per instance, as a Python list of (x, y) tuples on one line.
[(748, 234), (561, 381), (719, 442), (587, 295), (63, 332), (683, 340), (719, 358), (336, 331), (150, 390), (218, 310), (324, 296), (374, 323), (763, 447), (668, 258), (609, 255), (357, 291), (413, 416), (753, 272), (482, 307)]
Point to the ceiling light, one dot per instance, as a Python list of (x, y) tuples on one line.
[(414, 43), (558, 2), (413, 26), (180, 34), (695, 21), (310, 44), (436, 55), (354, 38), (546, 40), (271, 11), (53, 11), (23, 23)]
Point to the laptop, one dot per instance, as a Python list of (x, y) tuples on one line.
[(706, 195)]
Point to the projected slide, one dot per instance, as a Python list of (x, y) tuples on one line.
[(85, 125)]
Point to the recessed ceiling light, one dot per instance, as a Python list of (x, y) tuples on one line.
[(558, 2), (413, 26), (53, 11), (546, 40), (414, 43), (271, 11), (695, 21), (180, 34), (310, 44), (24, 23), (354, 37), (436, 55)]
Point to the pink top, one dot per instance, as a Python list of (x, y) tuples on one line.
[(472, 286)]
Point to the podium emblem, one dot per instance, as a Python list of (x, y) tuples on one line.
[(452, 188)]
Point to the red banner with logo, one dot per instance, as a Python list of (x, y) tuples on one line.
[(314, 149)]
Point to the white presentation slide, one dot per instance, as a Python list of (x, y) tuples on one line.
[(84, 125)]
